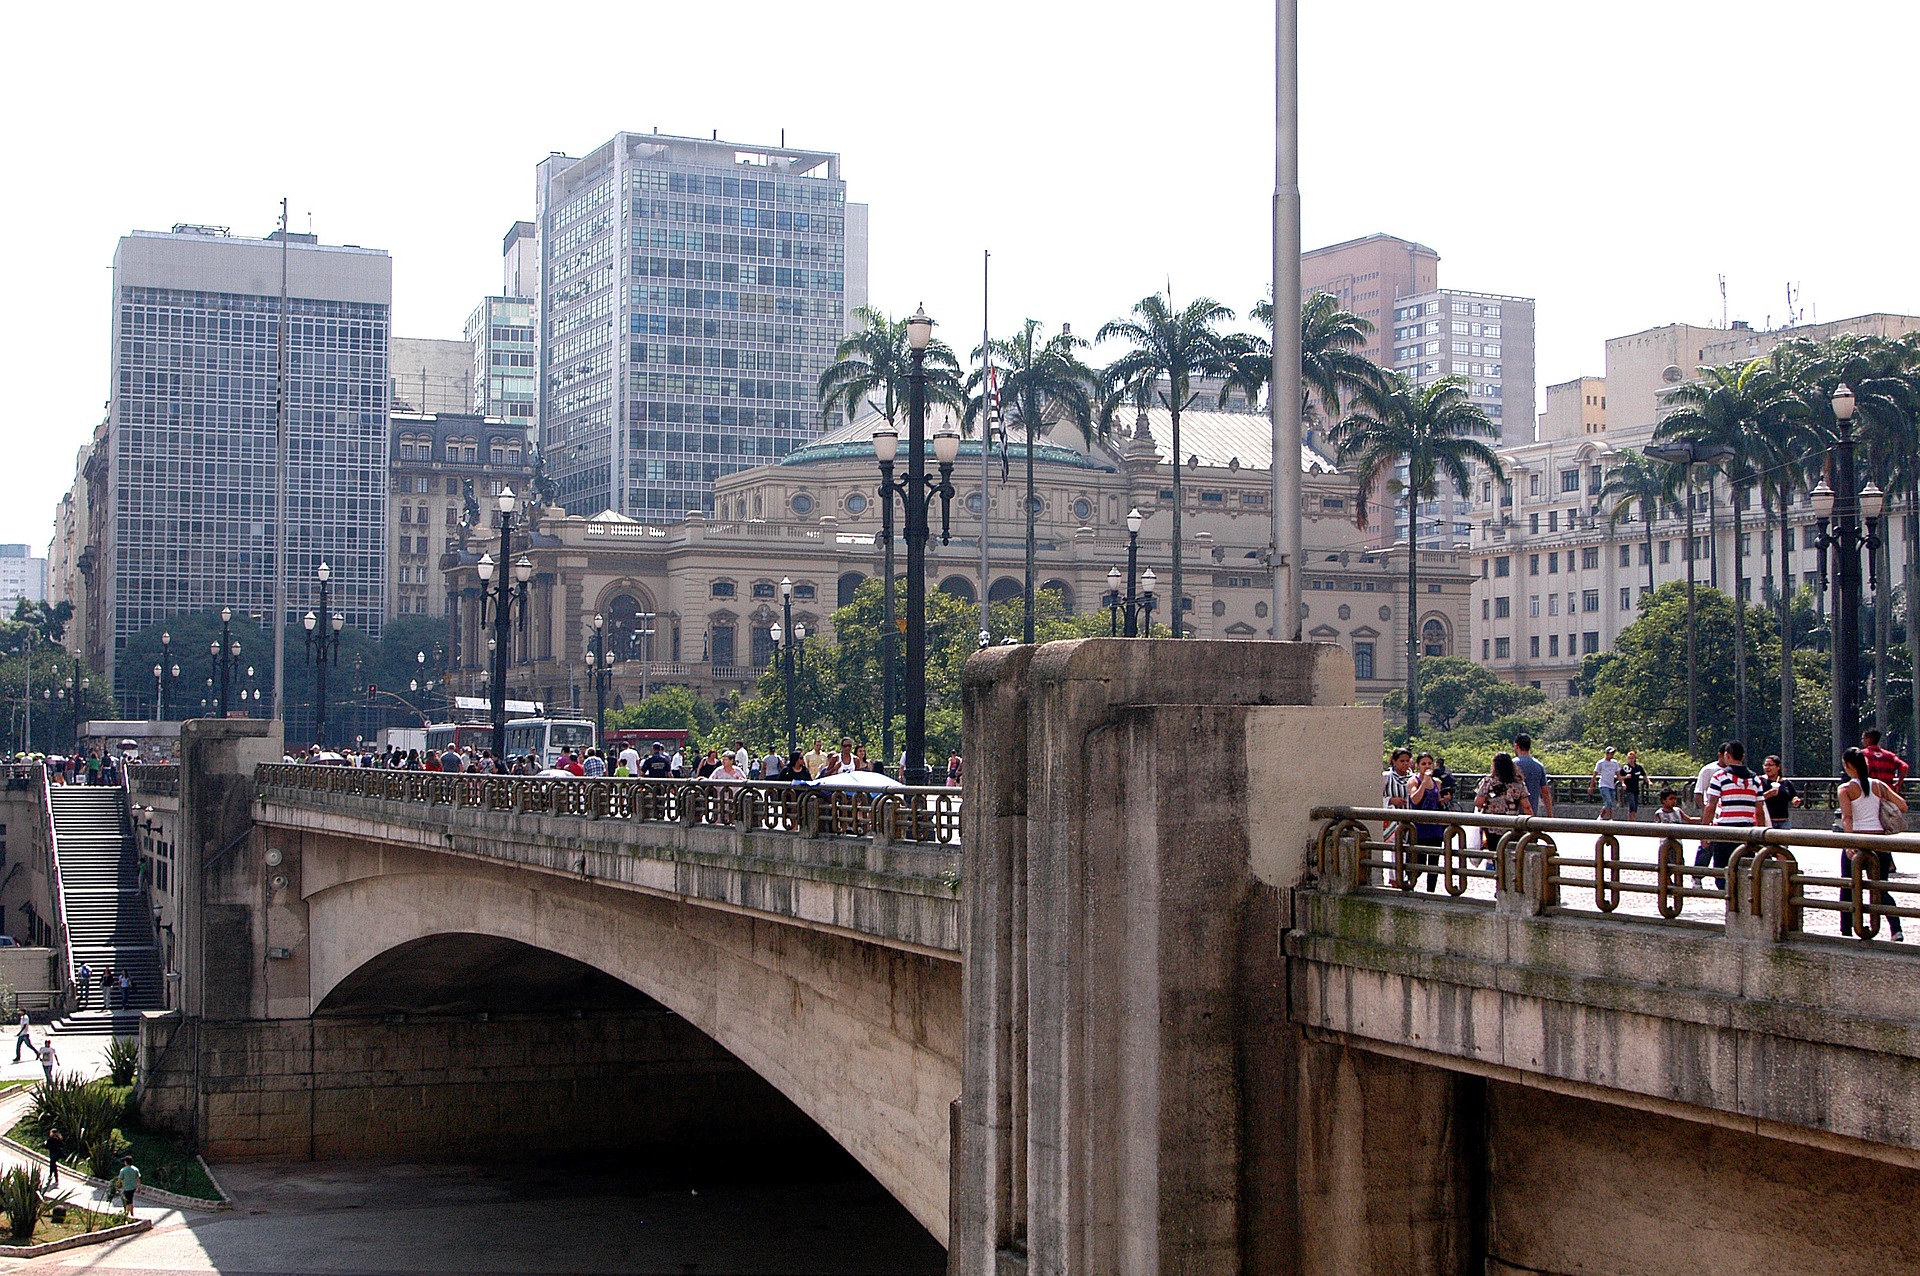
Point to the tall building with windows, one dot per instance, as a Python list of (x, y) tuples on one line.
[(23, 575), (189, 522), (1486, 341), (689, 295), (505, 382), (1369, 276)]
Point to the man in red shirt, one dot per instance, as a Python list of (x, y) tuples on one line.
[(1882, 764)]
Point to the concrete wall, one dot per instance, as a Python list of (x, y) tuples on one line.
[(26, 882), (521, 1086)]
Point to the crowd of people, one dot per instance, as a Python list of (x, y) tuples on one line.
[(88, 766), (1726, 794), (736, 762)]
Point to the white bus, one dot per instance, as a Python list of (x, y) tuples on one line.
[(547, 738)]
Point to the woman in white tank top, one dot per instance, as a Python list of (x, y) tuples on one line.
[(1859, 801)]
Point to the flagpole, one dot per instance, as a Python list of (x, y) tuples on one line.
[(988, 403), (1285, 395)]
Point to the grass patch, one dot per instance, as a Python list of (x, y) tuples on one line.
[(164, 1160), (77, 1222)]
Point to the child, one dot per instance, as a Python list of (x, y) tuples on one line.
[(1670, 812)]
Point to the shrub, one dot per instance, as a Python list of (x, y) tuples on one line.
[(123, 1056), (104, 1153), (82, 1110), (23, 1195)]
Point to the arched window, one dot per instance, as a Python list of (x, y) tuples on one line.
[(1065, 591), (1433, 638), (849, 582), (959, 587), (1004, 588)]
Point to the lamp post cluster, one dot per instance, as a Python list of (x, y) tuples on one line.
[(165, 674), (1844, 523), (600, 668), (916, 492), (226, 653), (1136, 604), (497, 603), (323, 648), (422, 683), (67, 689), (787, 638)]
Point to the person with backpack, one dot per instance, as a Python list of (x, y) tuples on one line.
[(1864, 804)]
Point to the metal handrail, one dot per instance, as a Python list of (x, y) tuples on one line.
[(925, 815), (1377, 849)]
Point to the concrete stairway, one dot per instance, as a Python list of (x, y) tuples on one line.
[(108, 920)]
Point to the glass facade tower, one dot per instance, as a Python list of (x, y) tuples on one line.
[(690, 294), (190, 524)]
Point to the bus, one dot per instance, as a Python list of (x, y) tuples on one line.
[(641, 739), (442, 736), (547, 738)]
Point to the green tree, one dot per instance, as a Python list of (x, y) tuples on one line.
[(876, 362), (1175, 346), (668, 709), (1041, 379), (1437, 432), (1458, 692), (1636, 479)]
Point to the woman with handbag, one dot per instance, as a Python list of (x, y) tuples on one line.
[(1868, 807)]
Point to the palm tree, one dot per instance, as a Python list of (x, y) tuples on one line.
[(1038, 378), (1638, 479), (1437, 431), (1726, 406), (876, 361), (1177, 346), (1332, 369)]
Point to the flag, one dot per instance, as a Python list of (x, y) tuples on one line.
[(993, 416)]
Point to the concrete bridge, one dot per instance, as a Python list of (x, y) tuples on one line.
[(1175, 1008)]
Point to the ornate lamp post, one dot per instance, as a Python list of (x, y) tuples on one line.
[(166, 659), (323, 649), (1111, 600), (497, 603), (225, 651), (1690, 452), (786, 638), (600, 667), (916, 494), (1845, 523)]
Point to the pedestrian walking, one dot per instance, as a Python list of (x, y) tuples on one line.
[(56, 1148), (84, 978), (1864, 802), (1733, 801), (1500, 792), (656, 765), (1606, 779), (1539, 792), (1701, 784), (126, 990), (1633, 782), (1423, 794), (128, 1181), (23, 1039), (48, 1060)]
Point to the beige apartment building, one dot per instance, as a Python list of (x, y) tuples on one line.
[(435, 457), (1370, 275), (691, 603)]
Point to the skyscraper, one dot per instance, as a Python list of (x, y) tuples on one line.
[(690, 293), (190, 436), (1369, 276)]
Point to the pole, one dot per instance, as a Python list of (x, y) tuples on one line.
[(320, 671), (29, 691), (786, 614), (226, 658), (1285, 395), (1693, 697), (1846, 608), (916, 494), (1027, 584), (502, 634), (279, 497), (986, 472), (1132, 626), (890, 627)]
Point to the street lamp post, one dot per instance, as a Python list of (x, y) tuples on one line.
[(500, 599), (916, 495), (323, 648), (1111, 600), (1845, 518), (1134, 519), (1690, 452), (600, 666), (786, 639), (886, 443), (166, 660), (225, 651)]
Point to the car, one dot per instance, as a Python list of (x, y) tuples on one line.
[(7, 941)]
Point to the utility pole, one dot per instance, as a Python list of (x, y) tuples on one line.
[(1285, 394), (279, 494)]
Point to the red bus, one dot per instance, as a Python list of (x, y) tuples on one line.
[(642, 739)]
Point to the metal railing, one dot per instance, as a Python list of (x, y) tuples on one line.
[(1816, 792), (155, 779), (923, 815), (1776, 883)]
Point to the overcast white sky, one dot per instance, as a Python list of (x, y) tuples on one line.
[(1609, 159)]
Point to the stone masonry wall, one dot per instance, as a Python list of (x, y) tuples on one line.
[(508, 1086)]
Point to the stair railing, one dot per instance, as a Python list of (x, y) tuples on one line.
[(62, 948)]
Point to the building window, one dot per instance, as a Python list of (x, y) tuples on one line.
[(723, 645), (1486, 612), (763, 589), (1553, 520), (1533, 646), (1486, 649), (1553, 645), (1666, 551), (1595, 479), (1083, 508), (1569, 480), (802, 503), (1626, 555), (1787, 544), (1503, 566), (857, 503), (1533, 485), (1590, 600), (1553, 563), (1553, 604), (722, 589), (1533, 524), (1590, 558), (1433, 639), (1503, 648), (1363, 660), (1533, 605), (1589, 643), (1626, 598), (803, 591), (1533, 564), (1502, 608)]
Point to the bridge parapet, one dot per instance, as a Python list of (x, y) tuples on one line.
[(1623, 972), (882, 865)]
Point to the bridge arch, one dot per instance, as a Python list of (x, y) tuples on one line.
[(862, 1038)]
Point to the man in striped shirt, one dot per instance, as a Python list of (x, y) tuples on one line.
[(1733, 801)]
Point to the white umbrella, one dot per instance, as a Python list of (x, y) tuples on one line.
[(858, 780), (557, 773)]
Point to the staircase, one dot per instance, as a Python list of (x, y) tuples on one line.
[(108, 920)]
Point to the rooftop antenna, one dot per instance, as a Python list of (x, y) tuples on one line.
[(1723, 303), (783, 139)]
